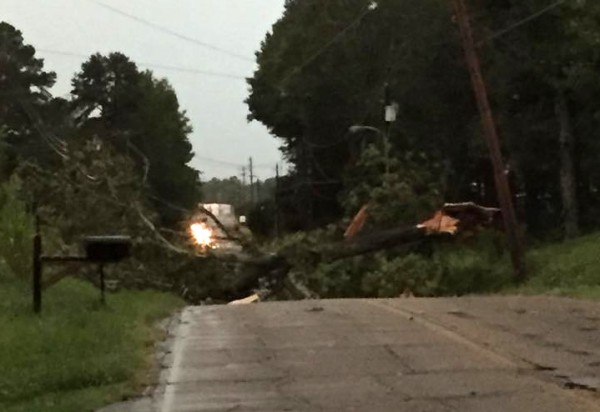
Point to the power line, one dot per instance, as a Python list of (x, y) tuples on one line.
[(60, 147), (162, 241), (270, 166), (56, 145), (154, 65), (232, 164), (373, 6), (296, 70), (219, 162), (524, 21), (173, 33), (115, 201)]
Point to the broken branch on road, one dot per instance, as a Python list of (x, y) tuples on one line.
[(452, 219)]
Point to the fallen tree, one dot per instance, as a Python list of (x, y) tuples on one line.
[(251, 275), (271, 273)]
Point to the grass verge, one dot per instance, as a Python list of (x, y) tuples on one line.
[(79, 355), (571, 268)]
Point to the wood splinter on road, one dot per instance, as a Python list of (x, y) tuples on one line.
[(245, 301)]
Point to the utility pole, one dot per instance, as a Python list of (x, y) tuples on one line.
[(389, 110), (490, 134), (308, 201), (258, 190), (277, 206), (304, 198), (243, 189), (251, 183)]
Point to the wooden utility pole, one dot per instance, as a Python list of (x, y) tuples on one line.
[(306, 201), (388, 123), (251, 182), (490, 134), (243, 188), (277, 206)]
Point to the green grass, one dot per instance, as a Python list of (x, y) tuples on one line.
[(570, 268), (78, 355)]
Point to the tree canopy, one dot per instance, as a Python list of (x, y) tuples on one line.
[(105, 160), (23, 84), (325, 67), (141, 116)]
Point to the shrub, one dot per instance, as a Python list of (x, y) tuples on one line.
[(565, 265), (392, 277), (470, 270)]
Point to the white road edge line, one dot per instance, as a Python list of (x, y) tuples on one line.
[(175, 368)]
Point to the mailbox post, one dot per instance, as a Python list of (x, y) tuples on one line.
[(106, 249), (100, 250)]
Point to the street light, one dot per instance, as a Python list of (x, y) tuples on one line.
[(359, 128), (373, 6), (390, 113), (384, 140)]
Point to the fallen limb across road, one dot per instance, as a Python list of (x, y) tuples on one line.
[(450, 220)]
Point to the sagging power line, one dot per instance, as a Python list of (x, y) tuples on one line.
[(339, 35), (152, 65), (521, 22), (173, 33)]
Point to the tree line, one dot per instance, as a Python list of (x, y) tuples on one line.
[(325, 67), (111, 158), (116, 114)]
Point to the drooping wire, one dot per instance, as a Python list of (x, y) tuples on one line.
[(39, 124), (58, 146), (523, 21), (173, 33), (153, 65), (338, 36)]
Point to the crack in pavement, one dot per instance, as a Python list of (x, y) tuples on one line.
[(536, 371)]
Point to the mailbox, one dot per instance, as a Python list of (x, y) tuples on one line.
[(107, 249), (98, 249)]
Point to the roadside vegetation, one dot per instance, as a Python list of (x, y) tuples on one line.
[(542, 89), (570, 268), (78, 355)]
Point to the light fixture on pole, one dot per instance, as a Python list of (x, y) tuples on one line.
[(382, 137)]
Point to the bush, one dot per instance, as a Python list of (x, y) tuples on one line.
[(565, 267), (392, 277), (466, 270), (340, 279)]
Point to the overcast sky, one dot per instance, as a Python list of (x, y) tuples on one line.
[(222, 139)]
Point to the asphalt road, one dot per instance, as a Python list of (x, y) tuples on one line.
[(467, 354)]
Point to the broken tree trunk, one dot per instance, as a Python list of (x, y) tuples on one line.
[(450, 220), (374, 242), (453, 218)]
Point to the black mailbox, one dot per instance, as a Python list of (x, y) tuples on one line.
[(98, 249), (107, 249)]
